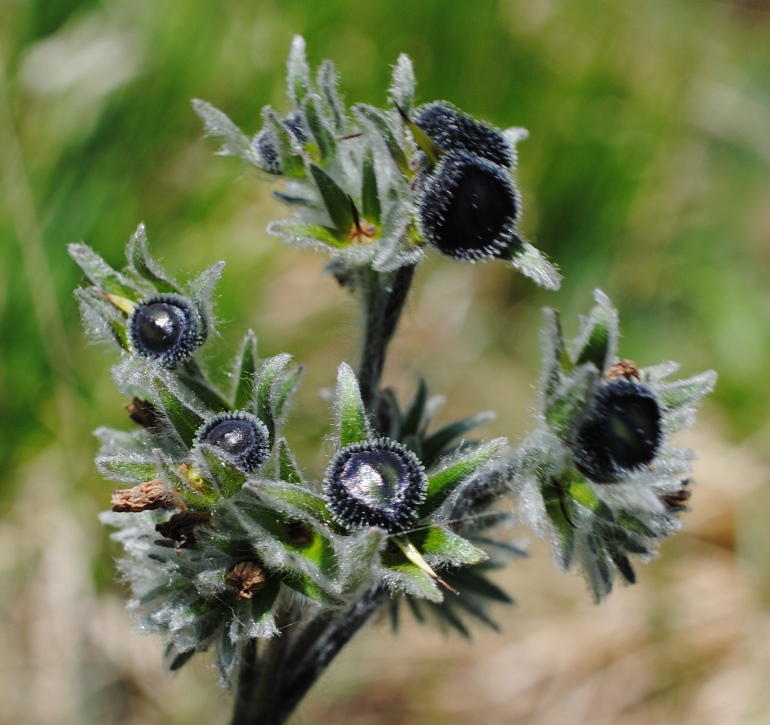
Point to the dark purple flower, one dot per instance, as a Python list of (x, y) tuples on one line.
[(242, 436)]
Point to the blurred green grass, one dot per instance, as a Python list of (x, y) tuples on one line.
[(647, 174)]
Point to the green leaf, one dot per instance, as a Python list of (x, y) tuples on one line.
[(245, 373), (415, 582), (226, 477), (401, 91), (440, 441), (376, 120), (287, 465), (326, 81), (283, 389), (370, 197), (219, 126), (102, 275), (415, 415), (561, 512), (308, 235), (295, 497), (442, 483), (144, 266), (445, 547), (470, 581), (297, 72), (324, 138), (182, 417), (120, 468), (687, 392), (336, 201), (598, 340), (303, 584), (268, 379), (93, 302), (352, 421), (361, 554)]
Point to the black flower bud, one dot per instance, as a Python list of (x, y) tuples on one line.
[(452, 130), (469, 208), (241, 435), (296, 126), (168, 328), (619, 433), (378, 483), (266, 146)]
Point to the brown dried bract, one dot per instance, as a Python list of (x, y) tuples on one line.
[(247, 578), (144, 497), (623, 369), (677, 501), (143, 413), (180, 528)]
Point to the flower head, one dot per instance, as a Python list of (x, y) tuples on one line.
[(240, 435), (167, 327), (469, 207), (376, 483)]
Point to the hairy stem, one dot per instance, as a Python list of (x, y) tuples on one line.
[(384, 295)]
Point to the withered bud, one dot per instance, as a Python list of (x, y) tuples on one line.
[(146, 496), (180, 528), (677, 501), (247, 578), (623, 369)]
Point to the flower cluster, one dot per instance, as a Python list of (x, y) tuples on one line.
[(373, 186), (598, 475)]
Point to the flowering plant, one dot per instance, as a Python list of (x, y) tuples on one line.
[(229, 547)]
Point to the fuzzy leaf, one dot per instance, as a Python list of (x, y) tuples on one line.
[(361, 556), (226, 477), (561, 513), (121, 468), (219, 126), (438, 442), (297, 72), (531, 263), (267, 381), (102, 275), (598, 341), (142, 264), (295, 497), (415, 415), (102, 319), (308, 235), (287, 466), (326, 81), (183, 419), (414, 581), (324, 138), (689, 391), (376, 121), (352, 421), (336, 201), (245, 372), (441, 546), (401, 91), (442, 483), (370, 197)]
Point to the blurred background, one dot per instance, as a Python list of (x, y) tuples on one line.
[(647, 173)]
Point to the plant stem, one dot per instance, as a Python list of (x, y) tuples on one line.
[(384, 295)]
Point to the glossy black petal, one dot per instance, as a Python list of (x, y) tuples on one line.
[(452, 130), (619, 433), (241, 435), (469, 208), (168, 328), (378, 483)]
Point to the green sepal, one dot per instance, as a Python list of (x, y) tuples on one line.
[(297, 72), (292, 160), (370, 197), (183, 419), (196, 493), (415, 417), (440, 546), (433, 152), (271, 390), (402, 85), (597, 341), (687, 392), (287, 465), (562, 410), (115, 320), (327, 146), (245, 372), (412, 579), (225, 476), (227, 656), (376, 120), (102, 275), (442, 483), (561, 512), (219, 126), (263, 601), (352, 421), (195, 380), (144, 266), (361, 553), (326, 82), (119, 468), (295, 498), (305, 235), (303, 584), (336, 201), (440, 442), (556, 359)]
